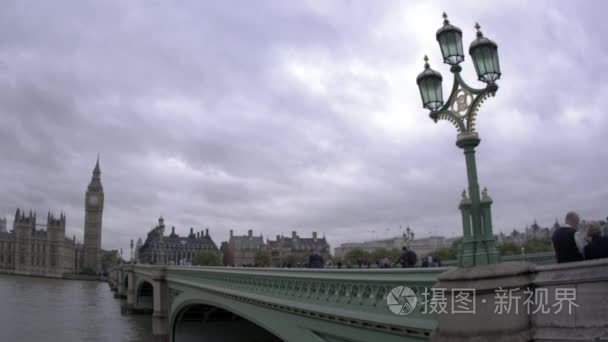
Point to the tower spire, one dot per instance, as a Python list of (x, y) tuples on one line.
[(95, 184), (96, 170)]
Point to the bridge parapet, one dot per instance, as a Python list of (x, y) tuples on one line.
[(517, 302), (352, 297)]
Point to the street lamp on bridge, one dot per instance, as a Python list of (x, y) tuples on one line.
[(478, 245), (131, 251)]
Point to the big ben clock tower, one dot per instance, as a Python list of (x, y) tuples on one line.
[(92, 221)]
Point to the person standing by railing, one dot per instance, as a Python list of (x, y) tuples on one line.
[(598, 245), (408, 258), (565, 240), (316, 260)]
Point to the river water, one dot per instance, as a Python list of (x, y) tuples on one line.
[(40, 309)]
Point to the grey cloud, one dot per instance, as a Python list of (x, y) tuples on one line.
[(197, 120)]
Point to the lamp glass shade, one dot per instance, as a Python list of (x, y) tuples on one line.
[(484, 53), (429, 83), (450, 42)]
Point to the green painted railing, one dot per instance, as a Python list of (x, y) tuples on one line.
[(536, 258), (544, 258), (355, 296)]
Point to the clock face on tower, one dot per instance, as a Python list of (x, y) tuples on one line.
[(93, 200)]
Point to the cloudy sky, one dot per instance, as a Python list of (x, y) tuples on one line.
[(294, 115)]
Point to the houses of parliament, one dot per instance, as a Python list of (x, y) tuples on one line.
[(30, 249)]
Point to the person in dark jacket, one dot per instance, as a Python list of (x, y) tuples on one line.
[(597, 247), (408, 258), (403, 257), (564, 241), (316, 260)]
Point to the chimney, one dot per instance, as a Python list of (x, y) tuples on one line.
[(161, 222), (314, 236), (207, 232), (173, 230), (250, 232), (198, 235), (231, 232), (293, 234), (278, 237)]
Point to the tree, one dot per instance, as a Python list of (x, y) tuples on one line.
[(443, 254), (380, 253), (538, 246), (108, 260), (262, 258), (509, 248), (291, 260), (357, 256), (206, 258)]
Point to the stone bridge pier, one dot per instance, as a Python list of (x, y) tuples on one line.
[(145, 294)]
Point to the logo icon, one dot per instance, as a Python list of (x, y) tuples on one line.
[(401, 300)]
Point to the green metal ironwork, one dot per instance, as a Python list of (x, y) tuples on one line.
[(356, 298), (478, 246), (296, 304), (545, 258)]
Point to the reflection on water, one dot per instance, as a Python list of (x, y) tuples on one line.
[(40, 309)]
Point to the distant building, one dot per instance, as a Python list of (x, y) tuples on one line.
[(225, 254), (47, 252), (173, 249), (31, 251), (94, 199), (3, 225), (242, 249), (530, 232), (285, 251), (137, 248)]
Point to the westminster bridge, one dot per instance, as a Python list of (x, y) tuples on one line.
[(358, 305)]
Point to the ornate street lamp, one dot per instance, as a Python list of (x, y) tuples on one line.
[(478, 245), (408, 236), (131, 250)]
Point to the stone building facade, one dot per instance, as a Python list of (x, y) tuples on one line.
[(241, 250), (3, 225), (31, 251), (173, 249), (295, 250)]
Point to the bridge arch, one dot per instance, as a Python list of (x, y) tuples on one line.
[(196, 320), (144, 296)]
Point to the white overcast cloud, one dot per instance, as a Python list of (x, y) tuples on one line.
[(279, 115)]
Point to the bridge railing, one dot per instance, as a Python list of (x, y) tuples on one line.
[(347, 296), (544, 258)]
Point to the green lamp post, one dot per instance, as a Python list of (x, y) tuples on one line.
[(478, 245)]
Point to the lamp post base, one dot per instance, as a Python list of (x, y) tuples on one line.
[(478, 252)]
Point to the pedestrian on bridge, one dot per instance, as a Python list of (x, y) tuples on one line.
[(316, 260), (408, 258), (598, 245), (567, 248)]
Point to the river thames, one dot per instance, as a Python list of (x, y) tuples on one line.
[(40, 309)]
